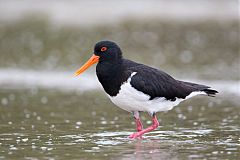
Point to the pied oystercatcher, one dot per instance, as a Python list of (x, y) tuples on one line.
[(136, 87)]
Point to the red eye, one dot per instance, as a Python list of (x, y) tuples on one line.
[(103, 49)]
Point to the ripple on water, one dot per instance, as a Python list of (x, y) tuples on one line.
[(111, 134), (108, 142), (76, 139), (199, 131)]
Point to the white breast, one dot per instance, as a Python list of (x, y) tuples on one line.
[(131, 99)]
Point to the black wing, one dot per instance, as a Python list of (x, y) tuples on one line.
[(156, 83)]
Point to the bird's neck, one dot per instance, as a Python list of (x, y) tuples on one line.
[(111, 75)]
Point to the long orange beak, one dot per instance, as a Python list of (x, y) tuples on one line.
[(91, 61)]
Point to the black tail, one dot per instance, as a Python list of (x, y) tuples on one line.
[(210, 92), (199, 87)]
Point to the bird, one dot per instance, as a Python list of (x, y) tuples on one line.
[(136, 87)]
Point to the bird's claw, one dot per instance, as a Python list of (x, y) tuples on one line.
[(135, 136)]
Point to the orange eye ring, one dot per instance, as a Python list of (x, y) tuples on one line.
[(103, 49)]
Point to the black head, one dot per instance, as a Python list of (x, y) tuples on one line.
[(107, 51), (104, 51)]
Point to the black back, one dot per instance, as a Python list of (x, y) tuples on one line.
[(157, 83)]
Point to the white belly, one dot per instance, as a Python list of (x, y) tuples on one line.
[(131, 99)]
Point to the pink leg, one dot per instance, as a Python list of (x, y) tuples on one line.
[(139, 125), (154, 125)]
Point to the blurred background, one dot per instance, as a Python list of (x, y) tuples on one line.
[(42, 43), (186, 38)]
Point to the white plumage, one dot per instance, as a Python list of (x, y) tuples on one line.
[(131, 99)]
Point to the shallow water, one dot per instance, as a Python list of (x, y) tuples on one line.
[(51, 124)]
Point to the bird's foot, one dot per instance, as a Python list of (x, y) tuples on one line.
[(136, 135), (150, 128)]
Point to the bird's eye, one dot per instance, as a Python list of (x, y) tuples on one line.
[(103, 49)]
